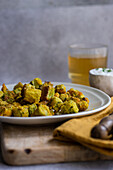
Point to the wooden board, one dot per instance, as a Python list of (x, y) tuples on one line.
[(23, 145)]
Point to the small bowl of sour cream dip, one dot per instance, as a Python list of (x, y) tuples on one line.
[(102, 78)]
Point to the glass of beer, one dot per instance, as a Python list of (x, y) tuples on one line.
[(84, 57)]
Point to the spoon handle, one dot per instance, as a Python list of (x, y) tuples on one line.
[(104, 129)]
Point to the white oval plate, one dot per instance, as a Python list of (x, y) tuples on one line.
[(97, 98)]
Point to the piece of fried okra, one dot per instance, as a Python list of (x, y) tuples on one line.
[(42, 110), (76, 93), (8, 96), (55, 103), (1, 94), (30, 94), (37, 82), (6, 110), (19, 85), (82, 105), (21, 111), (60, 88), (32, 108), (65, 96), (47, 92), (18, 88), (69, 107)]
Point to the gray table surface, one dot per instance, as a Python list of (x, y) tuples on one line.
[(71, 166)]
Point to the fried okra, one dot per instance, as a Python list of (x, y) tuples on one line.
[(6, 111), (85, 99), (32, 108), (42, 110), (60, 88), (82, 105), (21, 111), (16, 104), (3, 103), (75, 99), (47, 83), (69, 107), (8, 96), (19, 85), (17, 89), (76, 93), (55, 103), (30, 94), (40, 99), (47, 92), (4, 88), (57, 94), (64, 96), (1, 94), (37, 82)]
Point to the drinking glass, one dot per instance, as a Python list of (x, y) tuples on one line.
[(84, 57)]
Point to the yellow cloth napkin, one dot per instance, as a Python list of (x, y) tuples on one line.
[(78, 129)]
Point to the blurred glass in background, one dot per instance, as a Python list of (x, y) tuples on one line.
[(84, 57)]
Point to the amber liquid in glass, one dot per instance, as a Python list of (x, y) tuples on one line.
[(79, 67)]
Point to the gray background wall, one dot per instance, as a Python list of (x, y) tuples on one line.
[(35, 34)]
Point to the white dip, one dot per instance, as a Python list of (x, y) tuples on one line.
[(102, 71), (102, 78)]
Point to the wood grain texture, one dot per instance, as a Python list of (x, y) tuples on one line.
[(25, 145)]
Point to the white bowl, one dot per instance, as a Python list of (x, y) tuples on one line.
[(102, 78)]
